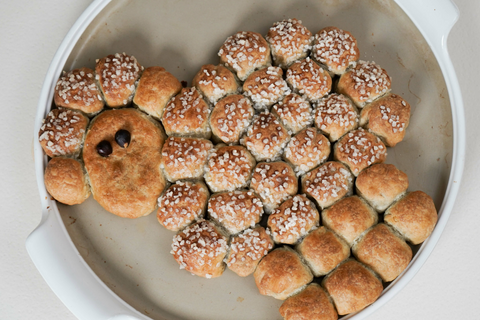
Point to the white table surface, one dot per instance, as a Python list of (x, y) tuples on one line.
[(447, 287)]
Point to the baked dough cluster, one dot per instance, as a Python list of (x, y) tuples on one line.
[(292, 126)]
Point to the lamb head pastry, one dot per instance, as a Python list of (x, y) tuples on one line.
[(186, 115), (266, 87), (289, 40), (336, 49), (181, 204), (155, 88), (122, 156), (335, 115), (359, 149), (200, 249), (117, 76), (245, 52), (62, 133), (364, 83), (77, 90), (215, 82), (231, 117), (388, 118)]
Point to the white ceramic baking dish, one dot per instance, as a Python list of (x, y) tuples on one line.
[(104, 267)]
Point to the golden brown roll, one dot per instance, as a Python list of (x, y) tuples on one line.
[(281, 273), (359, 149), (381, 185), (307, 150), (200, 249), (414, 216), (336, 49), (383, 251), (62, 132), (235, 211), (231, 117), (312, 303), (289, 40), (387, 117), (349, 218), (186, 115), (323, 250), (244, 52), (307, 78), (352, 287), (365, 82), (66, 181), (247, 249), (77, 90), (181, 204), (335, 115), (328, 183), (274, 182), (155, 88), (294, 112), (215, 82), (229, 168), (266, 87), (117, 75), (125, 176), (185, 158), (266, 137), (293, 219)]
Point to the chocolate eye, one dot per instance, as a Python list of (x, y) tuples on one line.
[(104, 148), (123, 138)]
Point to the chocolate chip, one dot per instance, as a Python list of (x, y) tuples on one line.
[(104, 148), (123, 138)]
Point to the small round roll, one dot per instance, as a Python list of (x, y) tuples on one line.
[(336, 49), (66, 181), (266, 137), (244, 52), (352, 287), (387, 117), (247, 249), (235, 211), (312, 303), (293, 219), (281, 273), (307, 150), (294, 112), (181, 204), (359, 149), (215, 82), (383, 251), (185, 158), (200, 249), (307, 78), (266, 87), (77, 90), (414, 216), (328, 183), (155, 88), (274, 182), (335, 115), (117, 75), (289, 40), (62, 132), (231, 117), (186, 115), (349, 218), (323, 250), (381, 185), (229, 168), (364, 83)]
